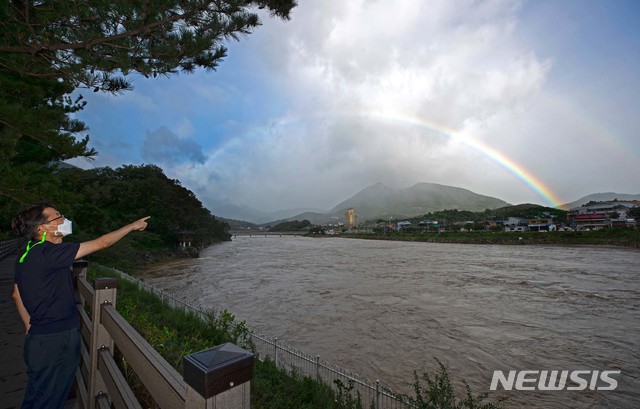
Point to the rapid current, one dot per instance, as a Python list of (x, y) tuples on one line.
[(385, 309)]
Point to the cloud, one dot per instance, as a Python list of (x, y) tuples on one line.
[(306, 112), (165, 148), (458, 67)]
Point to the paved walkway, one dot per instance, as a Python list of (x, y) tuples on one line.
[(13, 376)]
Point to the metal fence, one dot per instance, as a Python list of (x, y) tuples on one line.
[(347, 385)]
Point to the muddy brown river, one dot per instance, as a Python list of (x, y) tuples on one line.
[(385, 309)]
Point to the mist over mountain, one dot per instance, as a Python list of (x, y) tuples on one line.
[(381, 201), (232, 211), (601, 197)]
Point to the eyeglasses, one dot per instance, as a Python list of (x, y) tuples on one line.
[(54, 219)]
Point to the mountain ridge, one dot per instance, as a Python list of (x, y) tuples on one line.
[(381, 201), (601, 197)]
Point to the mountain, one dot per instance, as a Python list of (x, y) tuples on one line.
[(232, 211), (601, 197), (381, 201), (236, 214)]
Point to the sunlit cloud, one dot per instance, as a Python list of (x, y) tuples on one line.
[(298, 113)]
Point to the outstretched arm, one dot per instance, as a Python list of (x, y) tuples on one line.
[(110, 239), (24, 315)]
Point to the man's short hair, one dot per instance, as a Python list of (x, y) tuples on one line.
[(25, 223)]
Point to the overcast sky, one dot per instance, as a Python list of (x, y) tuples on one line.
[(528, 101)]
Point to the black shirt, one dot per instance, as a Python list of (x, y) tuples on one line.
[(45, 286)]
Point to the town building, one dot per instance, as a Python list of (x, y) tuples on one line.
[(541, 224), (351, 219), (403, 224), (516, 224), (597, 215)]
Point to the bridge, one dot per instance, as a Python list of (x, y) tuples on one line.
[(258, 233)]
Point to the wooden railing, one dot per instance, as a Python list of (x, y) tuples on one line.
[(215, 378)]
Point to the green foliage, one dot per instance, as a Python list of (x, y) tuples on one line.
[(437, 392), (102, 200), (239, 224), (50, 49), (527, 211), (35, 129), (292, 225), (344, 396), (91, 44), (611, 236), (272, 388)]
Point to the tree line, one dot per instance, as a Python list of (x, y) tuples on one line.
[(101, 200), (50, 52)]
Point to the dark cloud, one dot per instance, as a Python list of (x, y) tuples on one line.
[(166, 148)]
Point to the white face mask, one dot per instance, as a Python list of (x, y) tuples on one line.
[(65, 228)]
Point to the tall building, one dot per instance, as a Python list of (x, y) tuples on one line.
[(351, 218)]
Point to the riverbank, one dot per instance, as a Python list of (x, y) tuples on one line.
[(606, 237)]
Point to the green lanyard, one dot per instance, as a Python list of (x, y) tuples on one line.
[(29, 246)]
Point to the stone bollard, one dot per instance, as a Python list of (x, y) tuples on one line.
[(219, 378)]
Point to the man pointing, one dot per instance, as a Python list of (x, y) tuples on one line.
[(43, 293)]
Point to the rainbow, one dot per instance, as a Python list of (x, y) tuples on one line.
[(498, 157)]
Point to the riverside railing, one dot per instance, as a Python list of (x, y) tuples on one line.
[(371, 394), (215, 378)]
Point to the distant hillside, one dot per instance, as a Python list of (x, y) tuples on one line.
[(238, 224), (381, 201), (601, 197), (237, 214)]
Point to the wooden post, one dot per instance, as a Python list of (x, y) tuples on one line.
[(79, 270), (105, 293), (218, 378)]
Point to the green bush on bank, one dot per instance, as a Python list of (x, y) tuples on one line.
[(611, 237), (175, 333), (437, 392)]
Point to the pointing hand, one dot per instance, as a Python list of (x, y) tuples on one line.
[(140, 224)]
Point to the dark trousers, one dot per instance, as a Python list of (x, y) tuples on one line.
[(52, 360)]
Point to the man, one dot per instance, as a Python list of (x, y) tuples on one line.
[(43, 293)]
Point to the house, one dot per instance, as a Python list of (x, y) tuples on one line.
[(493, 224), (403, 224), (428, 223), (516, 224), (541, 224), (596, 215), (185, 238), (592, 221)]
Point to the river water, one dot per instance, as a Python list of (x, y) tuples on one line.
[(385, 309)]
